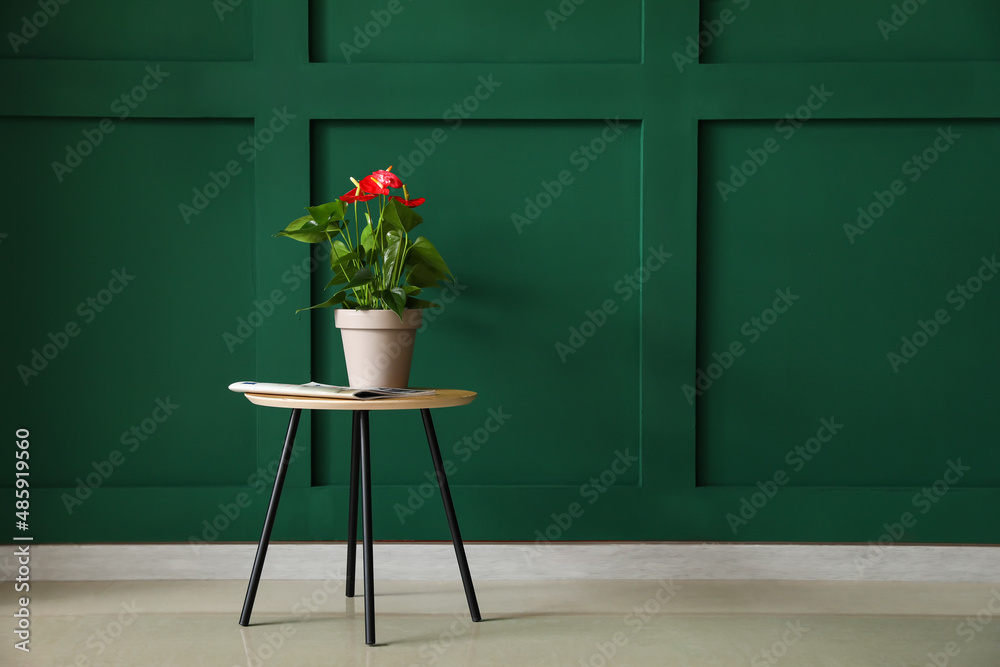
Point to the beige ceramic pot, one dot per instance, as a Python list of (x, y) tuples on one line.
[(378, 347)]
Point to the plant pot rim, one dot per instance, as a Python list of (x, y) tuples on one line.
[(349, 318)]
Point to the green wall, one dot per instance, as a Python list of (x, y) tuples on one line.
[(666, 289)]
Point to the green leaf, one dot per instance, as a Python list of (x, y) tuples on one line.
[(332, 301), (307, 230), (423, 276), (389, 225), (367, 241), (419, 303), (342, 273), (338, 279), (306, 236), (313, 228), (341, 260), (400, 215), (363, 276), (367, 246), (329, 212), (395, 300), (391, 256), (340, 255), (423, 253), (338, 248), (299, 223)]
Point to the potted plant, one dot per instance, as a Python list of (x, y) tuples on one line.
[(379, 272)]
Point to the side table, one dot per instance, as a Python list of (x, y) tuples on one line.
[(361, 463)]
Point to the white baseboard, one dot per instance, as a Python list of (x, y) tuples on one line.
[(516, 561)]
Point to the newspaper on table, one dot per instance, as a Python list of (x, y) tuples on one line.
[(317, 390)]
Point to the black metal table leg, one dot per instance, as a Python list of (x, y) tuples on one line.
[(352, 505), (449, 510), (272, 510), (366, 522)]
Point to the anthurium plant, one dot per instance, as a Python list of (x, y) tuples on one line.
[(376, 264)]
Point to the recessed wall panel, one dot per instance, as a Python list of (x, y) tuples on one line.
[(740, 31), (540, 223), (848, 306), (125, 265), (128, 30), (407, 31)]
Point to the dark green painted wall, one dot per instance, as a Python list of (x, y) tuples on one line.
[(664, 404)]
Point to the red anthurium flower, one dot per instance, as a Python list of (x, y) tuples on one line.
[(386, 178), (378, 282), (406, 201), (372, 186), (366, 190), (412, 203), (352, 196)]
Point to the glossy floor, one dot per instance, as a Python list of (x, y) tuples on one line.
[(597, 623)]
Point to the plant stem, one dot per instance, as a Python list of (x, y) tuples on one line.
[(401, 258)]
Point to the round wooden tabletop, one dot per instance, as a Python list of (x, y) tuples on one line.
[(442, 398)]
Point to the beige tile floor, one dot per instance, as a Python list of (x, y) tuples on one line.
[(572, 623)]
